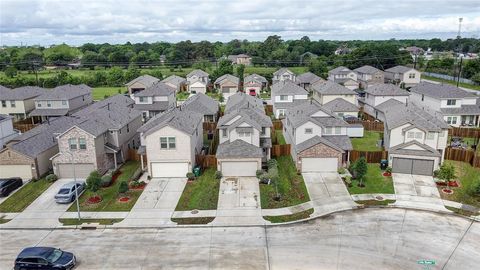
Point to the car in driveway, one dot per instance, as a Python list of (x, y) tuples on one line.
[(45, 258), (67, 193), (8, 185)]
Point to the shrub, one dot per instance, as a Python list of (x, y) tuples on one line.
[(388, 170), (34, 179), (348, 181), (135, 183), (190, 176), (436, 173), (218, 175), (259, 173), (272, 163), (123, 187), (51, 178), (106, 180), (94, 181), (342, 170)]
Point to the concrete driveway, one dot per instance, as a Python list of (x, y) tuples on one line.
[(324, 185), (415, 185)]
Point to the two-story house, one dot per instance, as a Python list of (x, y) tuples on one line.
[(19, 102), (307, 80), (140, 83), (171, 141), (198, 81), (244, 138), (240, 59), (283, 74), (177, 82), (157, 98), (319, 138), (415, 139), (344, 76), (204, 105), (62, 100), (28, 155), (379, 93), (227, 85), (98, 142), (368, 75), (458, 107), (7, 133), (285, 95), (336, 98), (403, 76), (253, 84)]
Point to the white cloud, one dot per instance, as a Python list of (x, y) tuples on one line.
[(53, 21)]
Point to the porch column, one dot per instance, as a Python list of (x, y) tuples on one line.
[(348, 157), (115, 160), (141, 162)]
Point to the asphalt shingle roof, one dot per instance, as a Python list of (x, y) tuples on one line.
[(331, 88), (238, 149), (398, 69), (146, 80), (408, 113), (21, 93), (386, 90), (428, 151), (156, 89), (340, 105), (242, 100), (227, 77), (281, 71), (175, 80), (340, 70), (155, 106), (186, 121), (287, 87), (307, 77), (201, 103), (66, 92), (255, 78), (367, 70), (440, 91), (198, 72), (303, 113)]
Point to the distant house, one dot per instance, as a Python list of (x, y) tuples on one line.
[(402, 75), (377, 94), (62, 100), (285, 95), (306, 80), (342, 108), (155, 99), (171, 141), (344, 76), (458, 107), (227, 85), (254, 83), (7, 133), (204, 105), (140, 84), (283, 74), (197, 81), (368, 75), (19, 102), (240, 59), (177, 82)]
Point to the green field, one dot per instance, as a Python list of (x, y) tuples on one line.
[(28, 193), (368, 142), (465, 85), (100, 93)]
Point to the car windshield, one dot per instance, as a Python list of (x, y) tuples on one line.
[(54, 256), (64, 191)]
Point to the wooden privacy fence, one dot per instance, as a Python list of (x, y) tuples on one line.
[(464, 132), (277, 124), (23, 127), (206, 161), (209, 127), (133, 155), (368, 125), (463, 155), (269, 110), (280, 150), (371, 157)]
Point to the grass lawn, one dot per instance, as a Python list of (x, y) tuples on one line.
[(462, 211), (280, 138), (201, 194), (99, 93), (291, 187), (287, 218), (368, 142), (465, 85), (4, 220), (102, 221), (374, 182), (193, 220), (375, 202), (19, 200), (110, 194), (215, 95), (265, 95), (466, 175), (183, 95)]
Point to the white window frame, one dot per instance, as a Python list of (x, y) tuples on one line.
[(283, 97), (170, 143), (338, 130), (430, 135), (328, 130), (80, 144), (224, 133), (451, 102), (12, 103), (418, 135), (49, 104), (410, 135), (308, 130), (72, 144)]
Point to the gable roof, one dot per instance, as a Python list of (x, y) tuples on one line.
[(440, 91), (367, 70), (302, 113), (157, 89), (201, 103), (410, 114), (339, 70), (281, 71), (198, 72), (255, 78), (175, 80), (242, 100), (390, 103), (21, 93), (386, 90), (186, 121), (287, 87), (146, 80), (227, 77), (238, 149), (65, 92), (398, 69), (426, 150), (331, 88), (340, 105), (314, 141), (307, 77)]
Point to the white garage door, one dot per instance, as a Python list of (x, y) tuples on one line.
[(169, 169), (239, 168), (82, 170), (22, 171), (319, 164)]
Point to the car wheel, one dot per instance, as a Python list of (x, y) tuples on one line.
[(73, 198)]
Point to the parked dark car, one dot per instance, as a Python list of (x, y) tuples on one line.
[(45, 258), (8, 185)]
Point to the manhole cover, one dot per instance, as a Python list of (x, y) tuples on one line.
[(379, 198), (195, 211)]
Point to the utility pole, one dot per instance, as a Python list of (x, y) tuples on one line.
[(415, 61), (459, 71)]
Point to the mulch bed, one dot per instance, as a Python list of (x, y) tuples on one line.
[(124, 199), (447, 191), (94, 199), (450, 184), (140, 187), (115, 176), (387, 174)]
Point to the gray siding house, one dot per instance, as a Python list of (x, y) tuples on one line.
[(19, 102), (157, 98)]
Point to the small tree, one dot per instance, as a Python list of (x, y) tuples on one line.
[(123, 187), (94, 181), (446, 173), (361, 170)]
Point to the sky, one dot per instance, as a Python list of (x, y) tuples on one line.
[(47, 22)]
